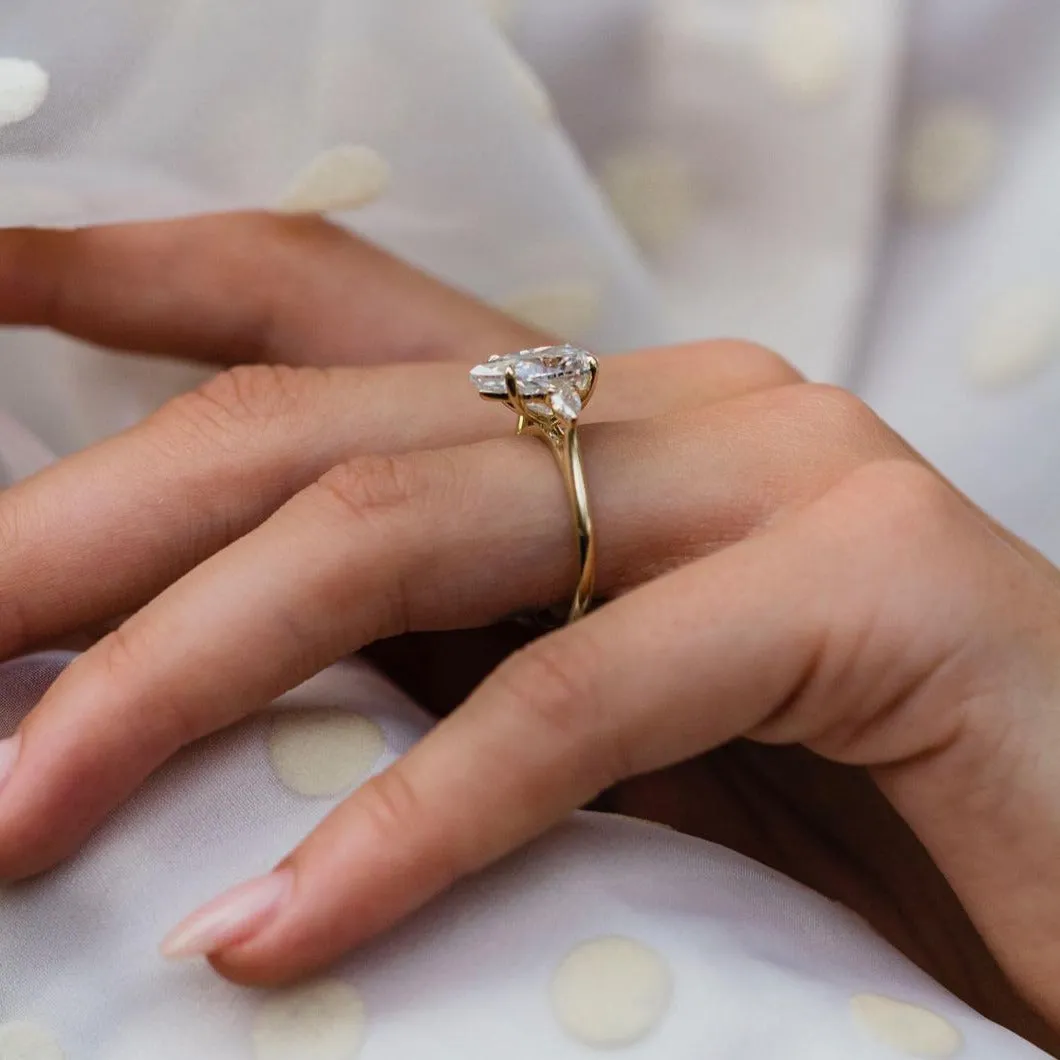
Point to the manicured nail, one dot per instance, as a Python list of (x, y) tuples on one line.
[(230, 919), (9, 750)]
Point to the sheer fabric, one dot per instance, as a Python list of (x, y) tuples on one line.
[(610, 933), (867, 186)]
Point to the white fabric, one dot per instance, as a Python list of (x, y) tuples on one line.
[(754, 966), (673, 168), (759, 151), (21, 454)]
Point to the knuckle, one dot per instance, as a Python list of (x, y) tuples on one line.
[(382, 483), (548, 684), (385, 502), (730, 366), (761, 367), (551, 685), (233, 403), (395, 812), (118, 657), (120, 664), (252, 392), (392, 806), (844, 413), (377, 482), (831, 419), (903, 498)]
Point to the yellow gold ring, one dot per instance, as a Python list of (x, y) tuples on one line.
[(547, 388)]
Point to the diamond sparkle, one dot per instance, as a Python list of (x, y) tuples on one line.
[(562, 375)]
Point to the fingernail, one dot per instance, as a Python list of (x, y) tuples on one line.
[(230, 919), (9, 750)]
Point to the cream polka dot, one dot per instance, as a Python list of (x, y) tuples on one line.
[(805, 47), (501, 11), (23, 90), (568, 310), (949, 157), (321, 753), (321, 1021), (909, 1028), (190, 1026), (344, 178), (28, 1041), (652, 193), (1017, 335), (531, 90), (611, 992)]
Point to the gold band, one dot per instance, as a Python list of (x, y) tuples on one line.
[(550, 412), (562, 439)]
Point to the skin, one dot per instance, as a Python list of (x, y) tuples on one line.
[(810, 646)]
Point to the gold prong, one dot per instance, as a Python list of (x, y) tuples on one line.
[(511, 388), (594, 371), (516, 400)]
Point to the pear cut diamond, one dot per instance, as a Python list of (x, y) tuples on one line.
[(546, 372), (566, 403)]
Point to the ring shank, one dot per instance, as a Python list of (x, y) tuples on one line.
[(566, 448), (570, 460), (561, 436)]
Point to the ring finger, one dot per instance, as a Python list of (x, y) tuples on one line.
[(129, 516), (383, 545)]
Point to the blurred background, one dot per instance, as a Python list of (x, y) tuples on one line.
[(870, 187)]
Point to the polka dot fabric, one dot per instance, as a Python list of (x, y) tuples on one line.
[(344, 178), (23, 89), (608, 937), (324, 752), (866, 186), (419, 123), (20, 1040), (869, 187)]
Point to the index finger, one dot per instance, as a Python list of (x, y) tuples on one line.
[(239, 288), (123, 520)]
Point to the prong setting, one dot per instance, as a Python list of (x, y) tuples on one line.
[(547, 387)]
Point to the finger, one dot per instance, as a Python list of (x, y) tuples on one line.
[(675, 668), (123, 520), (243, 288), (380, 546)]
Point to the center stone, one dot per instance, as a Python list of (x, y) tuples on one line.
[(538, 373)]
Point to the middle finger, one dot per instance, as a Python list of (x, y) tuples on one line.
[(382, 545), (126, 518)]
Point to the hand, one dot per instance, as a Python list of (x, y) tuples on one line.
[(779, 567)]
